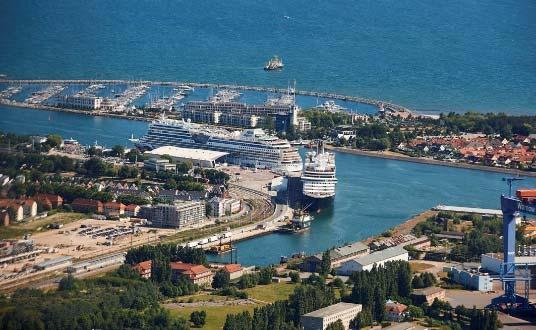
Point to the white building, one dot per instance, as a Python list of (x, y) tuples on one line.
[(177, 215), (321, 318), (158, 164), (303, 124), (88, 102), (367, 262), (472, 279), (198, 157), (224, 206)]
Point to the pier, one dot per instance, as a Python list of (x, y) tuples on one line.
[(378, 103)]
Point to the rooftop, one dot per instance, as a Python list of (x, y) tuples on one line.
[(333, 309), (345, 250), (380, 255), (467, 210), (197, 154)]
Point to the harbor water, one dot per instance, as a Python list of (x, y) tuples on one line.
[(372, 196), (412, 52)]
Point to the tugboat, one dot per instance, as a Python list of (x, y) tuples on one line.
[(275, 63), (300, 222)]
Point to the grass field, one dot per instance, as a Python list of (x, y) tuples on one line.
[(18, 229), (215, 315), (271, 292), (419, 267)]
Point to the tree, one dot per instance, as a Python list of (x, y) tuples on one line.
[(221, 279), (198, 318), (325, 264), (265, 275), (68, 283), (363, 319), (54, 140), (337, 325), (379, 304), (117, 151), (295, 277), (95, 167)]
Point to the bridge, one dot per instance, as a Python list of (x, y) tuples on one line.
[(378, 103)]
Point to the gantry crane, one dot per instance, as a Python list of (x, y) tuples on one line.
[(524, 203)]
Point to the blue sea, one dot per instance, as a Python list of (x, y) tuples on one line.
[(454, 55)]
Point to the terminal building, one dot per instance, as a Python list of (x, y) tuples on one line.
[(321, 318), (198, 157)]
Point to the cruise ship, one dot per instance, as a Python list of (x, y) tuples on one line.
[(250, 147), (318, 178)]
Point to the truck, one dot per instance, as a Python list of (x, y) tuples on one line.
[(203, 241), (227, 235), (191, 244), (213, 238)]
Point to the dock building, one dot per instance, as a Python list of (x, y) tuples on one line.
[(367, 262), (337, 256)]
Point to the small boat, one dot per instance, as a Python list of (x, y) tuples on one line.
[(300, 222), (275, 63)]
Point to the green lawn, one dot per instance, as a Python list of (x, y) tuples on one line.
[(271, 292), (16, 230), (215, 315)]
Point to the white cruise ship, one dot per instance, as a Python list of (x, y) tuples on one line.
[(318, 178), (250, 147)]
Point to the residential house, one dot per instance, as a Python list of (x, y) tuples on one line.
[(144, 268), (87, 205), (395, 312), (15, 210), (4, 218), (196, 274), (235, 270), (55, 200), (132, 210), (114, 209)]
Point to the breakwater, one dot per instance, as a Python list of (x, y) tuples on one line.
[(388, 106)]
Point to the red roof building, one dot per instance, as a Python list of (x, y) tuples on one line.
[(395, 311), (144, 268), (114, 208), (196, 274), (54, 200), (132, 210), (87, 205), (4, 218), (234, 270)]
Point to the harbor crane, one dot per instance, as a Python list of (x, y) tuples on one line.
[(523, 203)]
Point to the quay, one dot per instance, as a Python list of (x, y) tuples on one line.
[(378, 103)]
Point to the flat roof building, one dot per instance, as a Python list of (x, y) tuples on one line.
[(368, 261), (177, 215), (321, 318), (62, 261), (158, 164), (198, 157), (337, 256)]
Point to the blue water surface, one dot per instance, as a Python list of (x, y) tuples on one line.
[(429, 55)]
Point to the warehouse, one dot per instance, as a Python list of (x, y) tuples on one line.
[(377, 259), (62, 261), (198, 157)]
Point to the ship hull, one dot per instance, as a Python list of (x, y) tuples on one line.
[(312, 204)]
